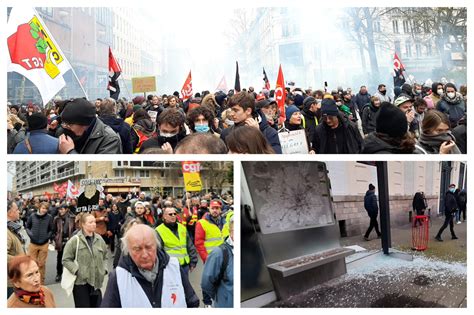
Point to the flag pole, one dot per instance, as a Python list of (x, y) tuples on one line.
[(126, 87), (82, 88)]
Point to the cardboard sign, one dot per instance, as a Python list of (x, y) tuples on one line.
[(153, 115), (192, 176), (293, 142), (143, 84)]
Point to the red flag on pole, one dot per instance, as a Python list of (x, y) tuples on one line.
[(398, 68), (187, 90), (280, 94), (114, 73)]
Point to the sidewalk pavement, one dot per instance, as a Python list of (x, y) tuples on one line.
[(436, 277)]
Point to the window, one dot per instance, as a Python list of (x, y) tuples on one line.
[(125, 163), (285, 30), (377, 27), (395, 26), (119, 163), (406, 26), (148, 164), (426, 26), (141, 173), (407, 48), (429, 50), (119, 173), (136, 163), (418, 50), (48, 11)]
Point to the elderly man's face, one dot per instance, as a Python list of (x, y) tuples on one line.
[(142, 249)]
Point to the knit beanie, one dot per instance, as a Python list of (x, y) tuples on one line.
[(329, 107), (37, 121), (391, 121), (308, 102), (371, 187), (290, 110), (78, 111)]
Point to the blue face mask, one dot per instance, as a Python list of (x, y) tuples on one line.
[(452, 190), (201, 128)]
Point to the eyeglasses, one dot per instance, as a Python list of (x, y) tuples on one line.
[(172, 214), (65, 125)]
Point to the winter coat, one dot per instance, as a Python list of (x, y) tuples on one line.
[(369, 116), (450, 203), (419, 203), (310, 123), (152, 290), (383, 98), (58, 226), (345, 139), (373, 144), (115, 221), (460, 133), (268, 132), (222, 292), (455, 109), (461, 199), (361, 99), (14, 137), (49, 302), (122, 129), (39, 228), (91, 262), (371, 204), (102, 139), (41, 143)]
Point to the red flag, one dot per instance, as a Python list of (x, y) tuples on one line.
[(114, 73), (187, 90), (280, 94), (398, 68), (265, 79)]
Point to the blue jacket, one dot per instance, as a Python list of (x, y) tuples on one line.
[(41, 143), (222, 293), (122, 129), (370, 204)]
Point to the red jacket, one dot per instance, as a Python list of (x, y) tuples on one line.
[(200, 237)]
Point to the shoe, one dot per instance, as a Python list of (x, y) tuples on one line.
[(58, 278), (438, 238), (459, 222), (454, 237), (366, 238)]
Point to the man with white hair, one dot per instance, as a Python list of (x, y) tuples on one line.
[(147, 277)]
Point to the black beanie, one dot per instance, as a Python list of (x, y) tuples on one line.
[(78, 111), (37, 121), (329, 107), (308, 102), (371, 187), (391, 121)]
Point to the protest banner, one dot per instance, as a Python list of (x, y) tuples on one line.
[(192, 176), (143, 84), (293, 142)]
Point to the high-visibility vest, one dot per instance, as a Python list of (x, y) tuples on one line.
[(214, 236), (303, 121), (226, 229), (173, 246), (194, 217)]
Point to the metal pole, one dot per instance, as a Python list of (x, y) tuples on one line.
[(382, 180)]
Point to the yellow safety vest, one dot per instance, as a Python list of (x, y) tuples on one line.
[(173, 246), (226, 229), (214, 236)]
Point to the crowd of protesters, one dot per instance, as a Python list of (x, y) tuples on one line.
[(415, 119), (142, 233)]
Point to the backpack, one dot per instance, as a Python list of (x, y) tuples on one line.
[(224, 265)]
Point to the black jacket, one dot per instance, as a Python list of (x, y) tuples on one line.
[(360, 100), (419, 203), (122, 129), (39, 228), (370, 204), (369, 115), (310, 122), (373, 144), (152, 291), (345, 139), (450, 204)]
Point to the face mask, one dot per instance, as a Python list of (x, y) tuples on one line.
[(201, 128), (451, 94), (71, 134), (440, 91), (319, 101), (229, 122), (383, 92), (338, 103), (418, 92), (167, 135), (452, 190)]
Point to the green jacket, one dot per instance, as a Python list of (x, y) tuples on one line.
[(92, 263)]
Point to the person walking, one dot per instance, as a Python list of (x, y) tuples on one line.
[(372, 208), (63, 229), (450, 208)]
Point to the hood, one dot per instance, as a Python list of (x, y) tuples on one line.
[(127, 263), (369, 193), (373, 144), (262, 120), (145, 125)]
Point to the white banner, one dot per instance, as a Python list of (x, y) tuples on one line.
[(293, 142)]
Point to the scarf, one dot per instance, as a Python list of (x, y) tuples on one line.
[(434, 142), (15, 228), (150, 275), (456, 100), (34, 298)]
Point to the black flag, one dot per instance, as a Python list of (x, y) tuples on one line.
[(114, 73), (237, 78), (398, 68)]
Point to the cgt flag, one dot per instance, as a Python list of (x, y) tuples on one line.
[(237, 78), (72, 190), (191, 176), (265, 79), (187, 90), (280, 94), (398, 68), (34, 53), (114, 73)]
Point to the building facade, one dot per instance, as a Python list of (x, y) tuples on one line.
[(165, 178)]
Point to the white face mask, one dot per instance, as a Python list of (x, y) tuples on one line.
[(451, 94), (168, 135), (440, 91), (229, 122)]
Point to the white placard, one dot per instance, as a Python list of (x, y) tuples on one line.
[(293, 142)]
